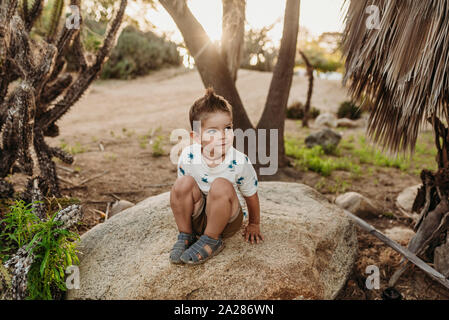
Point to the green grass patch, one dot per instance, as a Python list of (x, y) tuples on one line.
[(356, 155), (73, 150), (316, 160)]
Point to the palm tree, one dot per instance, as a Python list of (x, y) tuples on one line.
[(402, 66)]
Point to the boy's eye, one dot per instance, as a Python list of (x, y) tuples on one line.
[(211, 131)]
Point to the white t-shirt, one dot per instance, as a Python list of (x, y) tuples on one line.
[(236, 167)]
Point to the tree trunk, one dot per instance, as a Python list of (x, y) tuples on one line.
[(233, 34), (211, 66), (275, 108), (214, 71), (305, 120)]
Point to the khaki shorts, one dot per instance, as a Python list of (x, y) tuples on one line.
[(199, 220)]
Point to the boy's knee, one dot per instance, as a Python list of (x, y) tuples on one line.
[(221, 187), (183, 185)]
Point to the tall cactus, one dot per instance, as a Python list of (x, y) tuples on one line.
[(44, 90)]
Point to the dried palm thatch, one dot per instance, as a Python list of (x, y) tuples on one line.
[(402, 65)]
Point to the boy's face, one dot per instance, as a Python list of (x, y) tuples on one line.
[(217, 134)]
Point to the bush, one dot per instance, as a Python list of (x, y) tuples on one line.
[(137, 53), (349, 110), (296, 111)]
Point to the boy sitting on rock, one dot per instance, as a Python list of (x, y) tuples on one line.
[(213, 178)]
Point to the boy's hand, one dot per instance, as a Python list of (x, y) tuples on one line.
[(252, 233)]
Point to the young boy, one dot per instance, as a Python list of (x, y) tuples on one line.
[(213, 179)]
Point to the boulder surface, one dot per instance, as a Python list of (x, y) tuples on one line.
[(309, 250)]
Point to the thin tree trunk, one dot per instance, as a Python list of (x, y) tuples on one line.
[(233, 34), (305, 120), (211, 66), (275, 108)]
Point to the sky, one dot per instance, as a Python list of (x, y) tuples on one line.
[(317, 16)]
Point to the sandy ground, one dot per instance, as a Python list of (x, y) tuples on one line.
[(117, 115), (164, 98)]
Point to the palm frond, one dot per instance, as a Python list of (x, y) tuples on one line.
[(402, 66)]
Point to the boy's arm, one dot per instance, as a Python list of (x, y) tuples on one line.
[(252, 230)]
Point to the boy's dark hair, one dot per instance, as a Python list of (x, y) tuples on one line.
[(209, 103)]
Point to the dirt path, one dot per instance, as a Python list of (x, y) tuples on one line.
[(164, 98)]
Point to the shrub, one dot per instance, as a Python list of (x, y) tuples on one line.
[(137, 53), (296, 111), (349, 110), (53, 247), (54, 252)]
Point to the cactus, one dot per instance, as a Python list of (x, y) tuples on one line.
[(44, 90)]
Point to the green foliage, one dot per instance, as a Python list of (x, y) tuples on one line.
[(259, 52), (5, 281), (323, 53), (54, 248), (18, 228), (349, 110), (157, 146), (76, 149), (316, 160), (54, 252), (137, 53), (296, 111)]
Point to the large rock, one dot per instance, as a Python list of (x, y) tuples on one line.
[(309, 250), (358, 204)]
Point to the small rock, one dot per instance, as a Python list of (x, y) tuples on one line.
[(357, 204), (401, 235), (441, 258), (326, 120), (119, 206), (404, 201), (326, 138)]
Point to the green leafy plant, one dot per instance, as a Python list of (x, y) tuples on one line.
[(55, 250), (18, 229)]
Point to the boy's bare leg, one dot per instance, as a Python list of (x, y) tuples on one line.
[(185, 197), (222, 203)]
